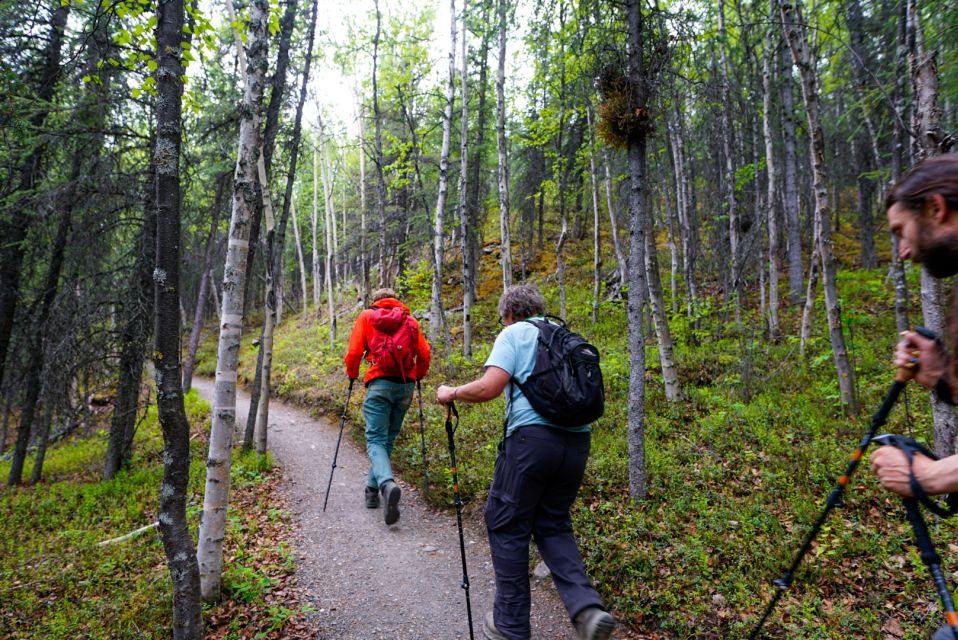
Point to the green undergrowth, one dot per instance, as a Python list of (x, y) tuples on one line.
[(56, 581), (738, 471)]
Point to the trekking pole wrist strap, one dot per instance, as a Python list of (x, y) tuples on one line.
[(910, 447)]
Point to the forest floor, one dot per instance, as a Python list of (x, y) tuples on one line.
[(369, 581)]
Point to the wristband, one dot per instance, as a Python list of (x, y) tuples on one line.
[(943, 391)]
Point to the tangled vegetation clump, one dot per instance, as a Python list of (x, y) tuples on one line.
[(623, 113)]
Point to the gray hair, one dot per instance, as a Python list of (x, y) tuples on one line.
[(522, 301), (379, 294)]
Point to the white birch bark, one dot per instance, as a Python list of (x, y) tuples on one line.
[(673, 392), (638, 483), (314, 221), (596, 238), (621, 264), (771, 168), (269, 323), (216, 496), (299, 257), (798, 43), (463, 212), (506, 249), (329, 222), (436, 318), (728, 148), (363, 257)]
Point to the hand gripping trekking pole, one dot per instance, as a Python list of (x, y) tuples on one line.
[(342, 424), (422, 436), (450, 431), (834, 498), (922, 538)]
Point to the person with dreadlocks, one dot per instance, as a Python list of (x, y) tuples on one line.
[(922, 210)]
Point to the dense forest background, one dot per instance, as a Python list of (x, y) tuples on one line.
[(696, 186)]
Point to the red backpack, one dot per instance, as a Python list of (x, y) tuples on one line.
[(392, 346)]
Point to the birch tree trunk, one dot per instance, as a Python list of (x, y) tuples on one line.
[(436, 317), (506, 249), (596, 237), (898, 134), (174, 528), (468, 289), (728, 148), (798, 42), (638, 482), (329, 221), (621, 264), (201, 294), (363, 254), (216, 496), (790, 203), (673, 392), (314, 221), (380, 177), (302, 262), (930, 140), (771, 169)]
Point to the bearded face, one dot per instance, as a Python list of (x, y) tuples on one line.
[(937, 250)]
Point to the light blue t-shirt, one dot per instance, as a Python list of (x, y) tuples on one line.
[(514, 351)]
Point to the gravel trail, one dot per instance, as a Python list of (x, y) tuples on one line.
[(369, 581)]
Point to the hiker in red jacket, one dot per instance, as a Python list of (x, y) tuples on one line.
[(398, 356)]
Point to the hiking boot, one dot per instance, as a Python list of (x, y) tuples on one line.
[(489, 629), (593, 624), (372, 498), (391, 494)]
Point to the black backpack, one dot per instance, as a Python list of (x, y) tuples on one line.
[(565, 385)]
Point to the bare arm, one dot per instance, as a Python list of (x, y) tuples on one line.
[(489, 386), (934, 476)]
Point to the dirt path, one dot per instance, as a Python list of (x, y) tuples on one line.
[(368, 581)]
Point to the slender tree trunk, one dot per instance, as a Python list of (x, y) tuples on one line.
[(363, 253), (174, 528), (506, 248), (790, 199), (898, 104), (475, 182), (463, 211), (201, 295), (135, 332), (43, 438), (216, 496), (930, 141), (329, 217), (36, 341), (728, 148), (798, 42), (14, 231), (673, 392), (302, 263), (621, 264), (380, 176), (314, 221), (596, 237), (436, 315), (771, 169), (638, 482)]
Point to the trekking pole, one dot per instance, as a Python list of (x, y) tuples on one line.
[(422, 435), (457, 499), (834, 498), (342, 424), (929, 556), (932, 560)]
